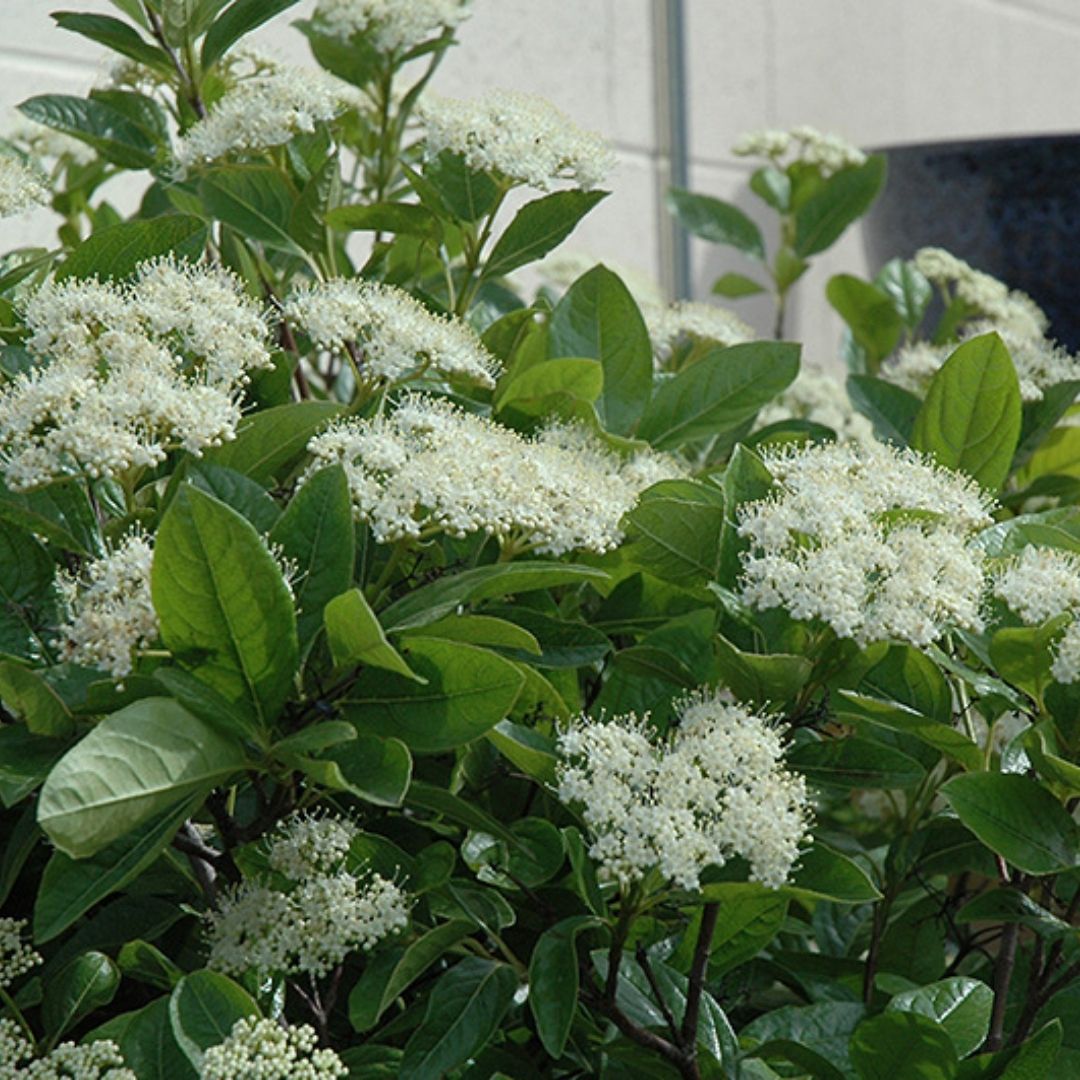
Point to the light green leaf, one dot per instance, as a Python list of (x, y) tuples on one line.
[(735, 286), (868, 311), (676, 528), (355, 636), (971, 417), (552, 385), (842, 199), (134, 765)]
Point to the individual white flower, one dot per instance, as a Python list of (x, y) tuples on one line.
[(259, 1049), (125, 372), (431, 466), (109, 610), (393, 26), (1008, 309), (874, 541), (16, 957), (22, 187), (1040, 584), (313, 923), (264, 110), (395, 332), (523, 137), (829, 153), (713, 788), (691, 320), (820, 398)]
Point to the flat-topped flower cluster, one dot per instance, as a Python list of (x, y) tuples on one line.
[(266, 1050), (713, 788), (392, 26), (874, 541), (124, 372), (430, 466)]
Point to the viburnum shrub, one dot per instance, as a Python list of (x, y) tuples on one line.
[(410, 672)]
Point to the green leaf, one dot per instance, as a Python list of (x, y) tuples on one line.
[(761, 678), (466, 813), (225, 611), (553, 981), (598, 318), (971, 417), (909, 290), (60, 513), (355, 636), (147, 1044), (675, 528), (1018, 819), (234, 489), (86, 984), (307, 222), (237, 20), (114, 34), (823, 1029), (539, 227), (26, 576), (464, 1011), (717, 221), (113, 253), (70, 887), (97, 124), (773, 186), (552, 386), (429, 603), (1042, 416), (719, 392), (468, 691), (133, 766), (1022, 655), (855, 762), (377, 770), (897, 717), (202, 1010), (902, 1046), (402, 219), (1009, 905), (30, 697), (256, 200), (526, 748), (746, 479), (868, 311), (747, 923), (206, 703), (466, 193), (390, 974), (316, 533), (25, 761), (960, 1004), (1031, 1060), (736, 285), (842, 199), (269, 443), (822, 873), (484, 630), (891, 409)]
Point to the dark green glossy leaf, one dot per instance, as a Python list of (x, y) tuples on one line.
[(202, 1010), (902, 1046), (841, 200), (238, 19), (855, 762), (553, 981), (86, 984), (97, 124), (715, 220), (676, 528), (114, 253), (960, 1004)]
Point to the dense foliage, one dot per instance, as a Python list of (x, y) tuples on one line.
[(406, 676)]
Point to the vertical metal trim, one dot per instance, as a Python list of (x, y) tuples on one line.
[(672, 138)]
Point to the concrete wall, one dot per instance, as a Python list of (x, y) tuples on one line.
[(877, 71)]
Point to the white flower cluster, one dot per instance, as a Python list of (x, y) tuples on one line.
[(830, 153), (430, 466), (42, 141), (1041, 584), (820, 398), (109, 610), (396, 333), (1008, 309), (692, 320), (266, 109), (16, 957), (22, 187), (125, 372), (874, 541), (325, 914), (265, 1050), (394, 26), (98, 1060), (521, 136), (713, 789), (1040, 363)]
